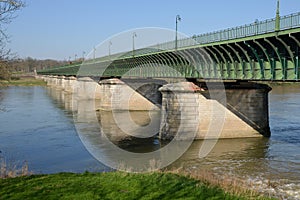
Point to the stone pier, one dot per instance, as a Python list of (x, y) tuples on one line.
[(70, 83), (87, 88), (117, 95), (190, 111)]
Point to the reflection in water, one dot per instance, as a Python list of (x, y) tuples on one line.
[(229, 152), (2, 109), (122, 134), (47, 138), (124, 139), (117, 125)]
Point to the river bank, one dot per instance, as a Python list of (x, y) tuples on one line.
[(23, 81), (111, 185)]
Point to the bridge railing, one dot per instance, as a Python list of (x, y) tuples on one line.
[(256, 28), (290, 21)]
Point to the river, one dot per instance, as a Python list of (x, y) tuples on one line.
[(39, 125)]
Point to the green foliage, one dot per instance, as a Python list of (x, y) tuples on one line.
[(5, 74), (115, 185)]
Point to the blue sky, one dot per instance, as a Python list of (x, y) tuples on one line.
[(58, 29)]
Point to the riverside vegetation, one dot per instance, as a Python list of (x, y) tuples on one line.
[(112, 185), (17, 182)]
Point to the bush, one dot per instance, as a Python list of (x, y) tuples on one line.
[(5, 74)]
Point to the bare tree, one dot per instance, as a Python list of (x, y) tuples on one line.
[(8, 9)]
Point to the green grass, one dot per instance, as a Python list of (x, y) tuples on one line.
[(113, 185), (23, 82)]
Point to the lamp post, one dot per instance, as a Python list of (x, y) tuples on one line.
[(178, 19), (277, 21), (75, 57), (109, 49), (133, 36), (83, 54), (94, 52), (256, 26)]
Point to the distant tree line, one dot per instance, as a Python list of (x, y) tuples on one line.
[(29, 64), (11, 67), (7, 13)]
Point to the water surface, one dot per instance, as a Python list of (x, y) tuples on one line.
[(39, 130), (43, 127)]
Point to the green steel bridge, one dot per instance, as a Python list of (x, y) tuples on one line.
[(264, 50)]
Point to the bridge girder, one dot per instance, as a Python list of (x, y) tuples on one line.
[(274, 57)]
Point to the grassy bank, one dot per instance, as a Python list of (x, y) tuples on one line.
[(113, 185), (23, 81)]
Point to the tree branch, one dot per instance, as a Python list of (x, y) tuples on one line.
[(7, 13)]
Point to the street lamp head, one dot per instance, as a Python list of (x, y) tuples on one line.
[(178, 19), (134, 34), (278, 7)]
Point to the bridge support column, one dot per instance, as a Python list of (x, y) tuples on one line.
[(180, 111), (187, 108), (61, 82), (250, 102), (87, 88), (117, 95), (70, 83), (52, 81)]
